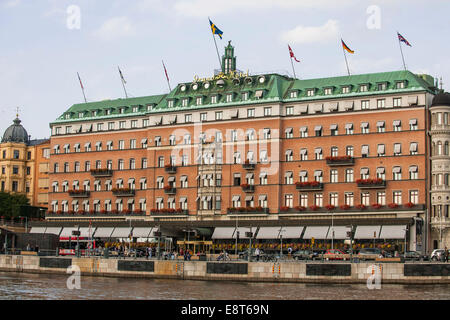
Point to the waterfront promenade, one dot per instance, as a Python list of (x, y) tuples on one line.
[(283, 271)]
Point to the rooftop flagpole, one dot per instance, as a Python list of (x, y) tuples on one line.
[(216, 30), (82, 88), (291, 54), (346, 48), (167, 77), (123, 82), (401, 51)]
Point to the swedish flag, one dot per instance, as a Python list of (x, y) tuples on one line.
[(215, 30)]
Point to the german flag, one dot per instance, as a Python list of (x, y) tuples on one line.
[(346, 47)]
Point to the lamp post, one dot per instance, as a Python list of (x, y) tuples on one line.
[(26, 223), (406, 230), (281, 241), (332, 230)]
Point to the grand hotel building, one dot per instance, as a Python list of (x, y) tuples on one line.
[(263, 150)]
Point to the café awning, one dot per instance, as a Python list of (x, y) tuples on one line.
[(367, 232), (393, 232), (223, 233), (291, 232), (268, 233), (340, 232), (121, 232), (103, 232), (316, 232)]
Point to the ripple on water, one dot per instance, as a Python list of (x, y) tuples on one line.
[(53, 287)]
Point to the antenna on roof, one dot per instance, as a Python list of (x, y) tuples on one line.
[(440, 82), (123, 82)]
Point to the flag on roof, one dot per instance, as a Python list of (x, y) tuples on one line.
[(165, 71), (346, 47), (292, 54), (402, 39), (215, 30)]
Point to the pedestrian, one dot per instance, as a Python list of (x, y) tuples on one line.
[(446, 254), (257, 252), (28, 247), (289, 252)]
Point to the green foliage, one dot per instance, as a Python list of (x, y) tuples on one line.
[(10, 204)]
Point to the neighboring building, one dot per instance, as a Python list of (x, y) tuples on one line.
[(440, 171), (19, 160), (265, 149)]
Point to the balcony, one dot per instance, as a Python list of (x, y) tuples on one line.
[(249, 166), (309, 186), (79, 193), (248, 187), (103, 213), (123, 192), (340, 161), (170, 190), (371, 183), (169, 212), (101, 173), (345, 208), (248, 210), (170, 168)]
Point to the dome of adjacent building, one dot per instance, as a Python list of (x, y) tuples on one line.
[(15, 133), (441, 99)]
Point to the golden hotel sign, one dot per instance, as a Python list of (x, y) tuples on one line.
[(228, 76)]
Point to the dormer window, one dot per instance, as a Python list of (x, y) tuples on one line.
[(214, 99), (244, 96), (135, 109), (184, 102), (149, 107), (346, 89), (259, 94), (400, 85), (363, 88), (67, 116), (170, 103), (229, 97), (80, 114), (310, 92), (328, 91), (382, 86), (199, 101), (293, 94), (121, 110), (108, 111), (94, 113)]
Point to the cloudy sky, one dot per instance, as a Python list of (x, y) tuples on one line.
[(44, 43)]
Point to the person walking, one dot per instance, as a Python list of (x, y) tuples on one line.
[(446, 254), (257, 253)]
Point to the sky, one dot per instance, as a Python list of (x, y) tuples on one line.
[(44, 43)]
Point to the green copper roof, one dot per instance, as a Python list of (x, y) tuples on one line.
[(274, 88)]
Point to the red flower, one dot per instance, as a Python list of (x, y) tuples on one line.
[(330, 207)]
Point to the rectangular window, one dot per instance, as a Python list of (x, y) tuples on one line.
[(365, 104), (414, 196), (121, 144), (363, 88), (134, 123), (122, 124), (334, 199), (267, 111), (328, 91), (184, 102), (289, 111), (310, 92), (318, 199), (289, 200), (110, 125), (381, 198), (244, 96), (170, 103), (199, 101), (397, 197), (348, 198), (381, 103), (365, 198), (219, 115), (188, 118), (203, 116), (229, 97), (397, 125), (333, 176), (133, 144), (144, 163), (304, 200), (145, 123), (213, 99), (293, 94), (250, 113), (397, 102)]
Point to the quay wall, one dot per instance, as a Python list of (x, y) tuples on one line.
[(312, 272)]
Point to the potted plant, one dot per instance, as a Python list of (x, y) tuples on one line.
[(330, 207)]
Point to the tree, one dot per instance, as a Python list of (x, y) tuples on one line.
[(10, 204)]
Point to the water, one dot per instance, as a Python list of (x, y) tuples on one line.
[(22, 286)]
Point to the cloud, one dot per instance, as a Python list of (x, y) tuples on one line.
[(114, 28), (321, 34), (202, 8), (12, 3)]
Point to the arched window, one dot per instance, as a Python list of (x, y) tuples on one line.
[(446, 151), (439, 148)]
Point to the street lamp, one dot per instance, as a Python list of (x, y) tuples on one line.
[(26, 223)]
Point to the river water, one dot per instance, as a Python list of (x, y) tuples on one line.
[(22, 286)]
